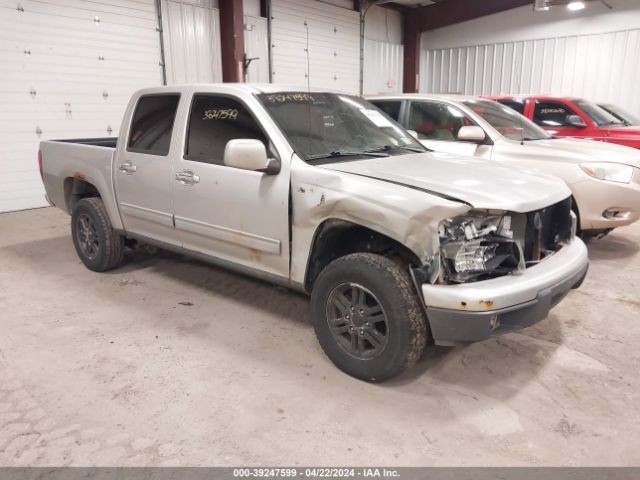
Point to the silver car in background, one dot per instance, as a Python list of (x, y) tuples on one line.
[(604, 178)]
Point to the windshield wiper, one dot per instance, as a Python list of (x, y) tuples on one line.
[(338, 153), (404, 147)]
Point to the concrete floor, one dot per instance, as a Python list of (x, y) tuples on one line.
[(167, 361)]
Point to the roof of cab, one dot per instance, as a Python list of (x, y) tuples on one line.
[(424, 96), (244, 87), (535, 97)]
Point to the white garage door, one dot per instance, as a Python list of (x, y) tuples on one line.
[(192, 41), (68, 70), (256, 46), (333, 39)]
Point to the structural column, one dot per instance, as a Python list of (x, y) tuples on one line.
[(411, 60), (232, 40)]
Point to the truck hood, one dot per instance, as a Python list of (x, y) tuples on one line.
[(480, 183), (574, 150)]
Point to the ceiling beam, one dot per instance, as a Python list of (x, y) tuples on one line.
[(450, 12)]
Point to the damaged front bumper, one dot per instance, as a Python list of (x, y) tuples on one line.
[(475, 311)]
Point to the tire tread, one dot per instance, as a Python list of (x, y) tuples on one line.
[(406, 300), (113, 241)]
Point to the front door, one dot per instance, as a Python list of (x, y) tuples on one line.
[(437, 125), (236, 215), (554, 116), (143, 169)]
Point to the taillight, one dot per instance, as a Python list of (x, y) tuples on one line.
[(40, 162)]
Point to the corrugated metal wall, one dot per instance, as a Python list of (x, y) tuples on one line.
[(333, 59), (382, 67), (601, 67), (256, 46), (68, 70), (191, 41)]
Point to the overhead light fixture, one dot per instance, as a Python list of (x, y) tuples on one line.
[(575, 6), (541, 6)]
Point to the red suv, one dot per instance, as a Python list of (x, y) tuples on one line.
[(573, 117)]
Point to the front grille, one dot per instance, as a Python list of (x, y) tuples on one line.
[(545, 229)]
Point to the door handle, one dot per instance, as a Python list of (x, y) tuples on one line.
[(187, 177), (128, 168)]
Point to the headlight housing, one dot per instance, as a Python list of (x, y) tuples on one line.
[(479, 245), (612, 172)]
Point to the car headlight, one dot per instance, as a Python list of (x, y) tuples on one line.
[(613, 172), (479, 245)]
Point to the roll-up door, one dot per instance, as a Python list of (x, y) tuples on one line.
[(192, 41), (332, 35), (68, 70)]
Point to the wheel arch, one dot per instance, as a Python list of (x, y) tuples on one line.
[(335, 238), (75, 189)]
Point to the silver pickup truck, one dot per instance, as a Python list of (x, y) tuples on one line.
[(399, 247)]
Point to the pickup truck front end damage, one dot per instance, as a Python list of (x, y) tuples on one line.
[(499, 272)]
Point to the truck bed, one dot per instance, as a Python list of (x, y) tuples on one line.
[(69, 164), (97, 142)]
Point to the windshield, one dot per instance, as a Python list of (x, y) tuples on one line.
[(623, 115), (326, 125), (598, 115), (507, 121)]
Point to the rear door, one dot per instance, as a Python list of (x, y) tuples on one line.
[(235, 215), (143, 169)]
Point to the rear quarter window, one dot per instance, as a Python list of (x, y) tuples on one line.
[(152, 124), (516, 105), (390, 107)]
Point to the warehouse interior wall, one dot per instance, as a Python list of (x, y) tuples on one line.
[(383, 51), (592, 53), (315, 43), (191, 38), (68, 71), (256, 47)]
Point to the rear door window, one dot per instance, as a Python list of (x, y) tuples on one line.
[(152, 124), (552, 114), (517, 105), (213, 121), (390, 107)]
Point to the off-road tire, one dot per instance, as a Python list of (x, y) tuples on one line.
[(407, 327), (110, 244)]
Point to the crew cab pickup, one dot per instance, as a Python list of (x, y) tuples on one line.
[(322, 192), (573, 117)]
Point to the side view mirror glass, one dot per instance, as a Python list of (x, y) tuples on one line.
[(576, 121), (471, 134), (250, 154)]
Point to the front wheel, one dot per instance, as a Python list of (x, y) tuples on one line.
[(367, 316), (99, 247)]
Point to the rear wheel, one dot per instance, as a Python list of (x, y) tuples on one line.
[(368, 317), (99, 247)]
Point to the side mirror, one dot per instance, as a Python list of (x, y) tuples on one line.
[(413, 133), (250, 154), (471, 134), (576, 121)]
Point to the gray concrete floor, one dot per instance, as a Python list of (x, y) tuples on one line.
[(167, 361)]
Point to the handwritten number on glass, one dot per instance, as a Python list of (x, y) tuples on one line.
[(221, 114)]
